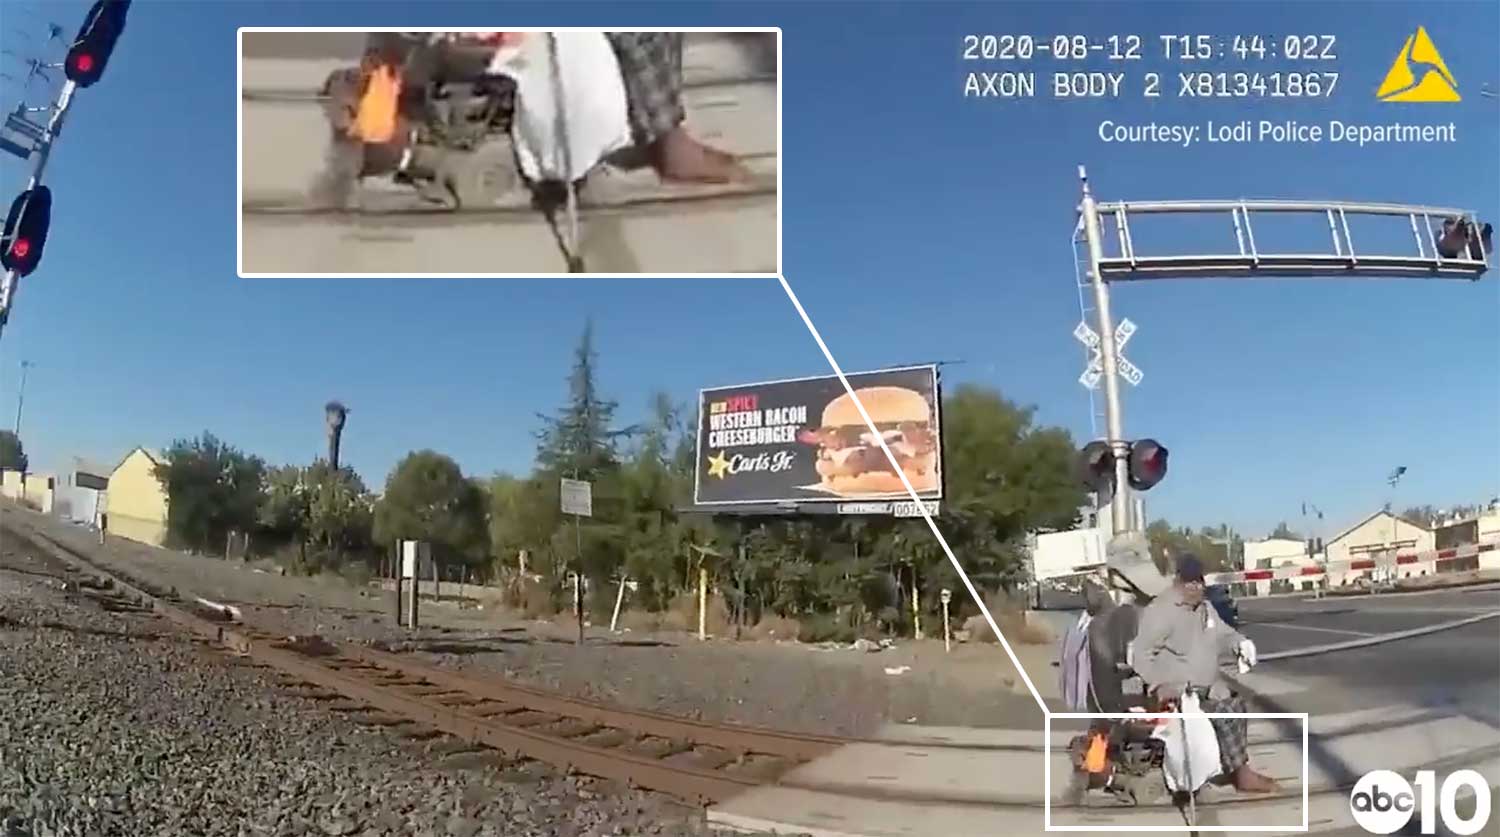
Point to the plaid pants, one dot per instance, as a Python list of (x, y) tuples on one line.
[(651, 64), (1233, 733)]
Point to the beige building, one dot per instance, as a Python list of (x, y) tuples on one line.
[(135, 505), (1377, 536)]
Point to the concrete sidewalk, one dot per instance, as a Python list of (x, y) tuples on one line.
[(947, 780)]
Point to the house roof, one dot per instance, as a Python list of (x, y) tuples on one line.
[(90, 466), (1382, 513), (154, 455)]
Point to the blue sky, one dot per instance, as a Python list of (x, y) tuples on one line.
[(918, 226)]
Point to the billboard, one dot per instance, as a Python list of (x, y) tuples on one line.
[(803, 441)]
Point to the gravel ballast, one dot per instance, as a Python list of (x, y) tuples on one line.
[(114, 723), (786, 686)]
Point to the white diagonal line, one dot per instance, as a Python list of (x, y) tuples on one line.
[(921, 506)]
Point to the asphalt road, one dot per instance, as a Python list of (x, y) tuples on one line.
[(1458, 669)]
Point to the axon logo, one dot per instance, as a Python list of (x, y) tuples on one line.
[(1383, 802)]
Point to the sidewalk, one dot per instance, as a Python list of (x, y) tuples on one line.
[(957, 781)]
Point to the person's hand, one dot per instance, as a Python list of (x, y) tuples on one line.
[(1247, 653), (1165, 693)]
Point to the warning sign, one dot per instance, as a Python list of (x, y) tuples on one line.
[(1418, 74)]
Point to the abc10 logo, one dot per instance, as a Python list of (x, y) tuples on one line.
[(1384, 802)]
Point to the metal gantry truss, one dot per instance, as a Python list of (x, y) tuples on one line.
[(1243, 257), (1247, 260)]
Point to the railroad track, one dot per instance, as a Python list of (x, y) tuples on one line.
[(702, 763)]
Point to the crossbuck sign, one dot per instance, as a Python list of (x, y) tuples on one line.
[(1095, 371)]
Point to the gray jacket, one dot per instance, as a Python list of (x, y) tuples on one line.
[(1182, 646)]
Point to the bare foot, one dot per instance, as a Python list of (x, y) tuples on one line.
[(1248, 781), (677, 156)]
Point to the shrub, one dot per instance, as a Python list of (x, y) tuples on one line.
[(776, 627), (825, 628)]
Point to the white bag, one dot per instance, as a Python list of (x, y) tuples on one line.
[(1198, 751), (587, 80)]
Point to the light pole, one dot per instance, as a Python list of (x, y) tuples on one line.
[(1392, 480), (1228, 543), (21, 395)]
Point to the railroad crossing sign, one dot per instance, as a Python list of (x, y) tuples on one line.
[(1095, 371)]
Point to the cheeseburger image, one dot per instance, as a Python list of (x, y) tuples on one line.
[(850, 460)]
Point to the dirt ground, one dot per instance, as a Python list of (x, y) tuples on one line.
[(785, 685)]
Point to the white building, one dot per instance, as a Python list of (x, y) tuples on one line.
[(1274, 553), (80, 493)]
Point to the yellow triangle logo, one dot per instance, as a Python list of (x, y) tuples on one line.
[(1418, 74)]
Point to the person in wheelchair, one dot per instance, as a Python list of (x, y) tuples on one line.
[(1178, 648)]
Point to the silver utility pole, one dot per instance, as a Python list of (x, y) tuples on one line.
[(1119, 508), (21, 395), (39, 156)]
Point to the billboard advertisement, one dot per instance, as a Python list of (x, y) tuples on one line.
[(804, 441)]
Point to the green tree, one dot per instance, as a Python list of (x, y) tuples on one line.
[(284, 506), (340, 512), (428, 498), (212, 488), (12, 452), (1005, 477), (1284, 531), (1422, 515), (523, 515), (581, 439)]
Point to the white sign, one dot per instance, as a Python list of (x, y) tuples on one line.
[(1087, 336), (1090, 377), (409, 559), (1129, 371), (1123, 332), (894, 509), (577, 498)]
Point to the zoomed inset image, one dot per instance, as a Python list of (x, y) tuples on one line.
[(379, 153)]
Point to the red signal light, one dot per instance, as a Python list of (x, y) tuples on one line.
[(19, 248), (1148, 464), (84, 62)]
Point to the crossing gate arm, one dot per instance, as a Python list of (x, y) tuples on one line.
[(1342, 259)]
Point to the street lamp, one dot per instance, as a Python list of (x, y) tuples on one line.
[(1392, 480), (1228, 543)]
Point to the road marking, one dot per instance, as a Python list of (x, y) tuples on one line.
[(1308, 628), (1378, 639)]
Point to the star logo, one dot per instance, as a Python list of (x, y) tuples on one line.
[(718, 466)]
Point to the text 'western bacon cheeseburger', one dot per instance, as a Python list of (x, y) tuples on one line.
[(850, 460)]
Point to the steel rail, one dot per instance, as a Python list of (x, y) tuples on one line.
[(351, 670)]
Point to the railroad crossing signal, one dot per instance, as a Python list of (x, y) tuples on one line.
[(1096, 467), (1095, 371), (95, 42), (26, 230), (1148, 464)]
